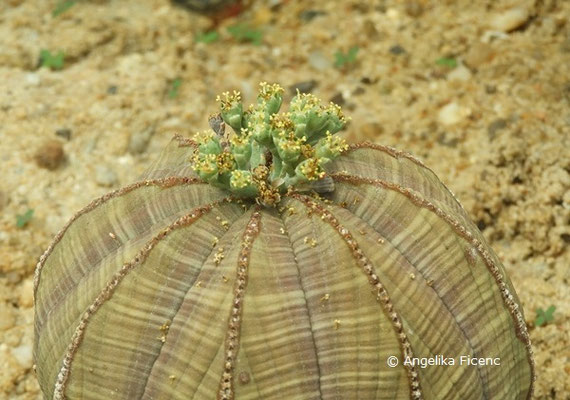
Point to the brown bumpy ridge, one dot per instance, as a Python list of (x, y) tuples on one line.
[(467, 339), (513, 308), (399, 154), (162, 182), (107, 292), (226, 387), (174, 315), (184, 141), (382, 295)]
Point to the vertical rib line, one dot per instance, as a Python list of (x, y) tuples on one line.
[(226, 388), (519, 322), (161, 182), (309, 313), (109, 289), (381, 293)]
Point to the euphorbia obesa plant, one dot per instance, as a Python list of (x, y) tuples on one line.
[(268, 259)]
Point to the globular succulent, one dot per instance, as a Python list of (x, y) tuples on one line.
[(268, 259)]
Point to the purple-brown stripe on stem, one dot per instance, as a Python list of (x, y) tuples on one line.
[(382, 294)]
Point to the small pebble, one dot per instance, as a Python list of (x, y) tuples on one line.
[(26, 294), (304, 87), (371, 130), (7, 318), (450, 114), (49, 155), (4, 199), (319, 61), (309, 15), (566, 90), (397, 49), (358, 91), (510, 19), (105, 176), (64, 133), (370, 30), (367, 80), (495, 126), (414, 8), (23, 354), (460, 73), (393, 14), (444, 140), (565, 46), (490, 89), (478, 54), (338, 98), (139, 141), (112, 89), (33, 79)]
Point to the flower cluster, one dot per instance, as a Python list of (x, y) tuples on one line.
[(268, 153)]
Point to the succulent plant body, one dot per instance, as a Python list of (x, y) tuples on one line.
[(268, 259)]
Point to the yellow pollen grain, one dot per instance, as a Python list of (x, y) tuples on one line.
[(164, 330), (199, 284), (380, 240), (336, 324), (215, 241), (310, 241), (219, 256), (325, 297), (165, 327), (112, 235), (412, 276)]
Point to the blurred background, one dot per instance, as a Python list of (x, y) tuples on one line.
[(92, 90)]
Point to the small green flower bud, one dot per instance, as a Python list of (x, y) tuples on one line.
[(257, 154), (271, 96), (208, 142), (226, 162), (241, 183), (330, 147), (289, 147), (206, 166), (231, 109), (241, 148), (310, 170)]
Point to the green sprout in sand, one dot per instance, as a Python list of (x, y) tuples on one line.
[(544, 317)]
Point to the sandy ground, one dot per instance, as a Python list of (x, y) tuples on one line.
[(495, 127)]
